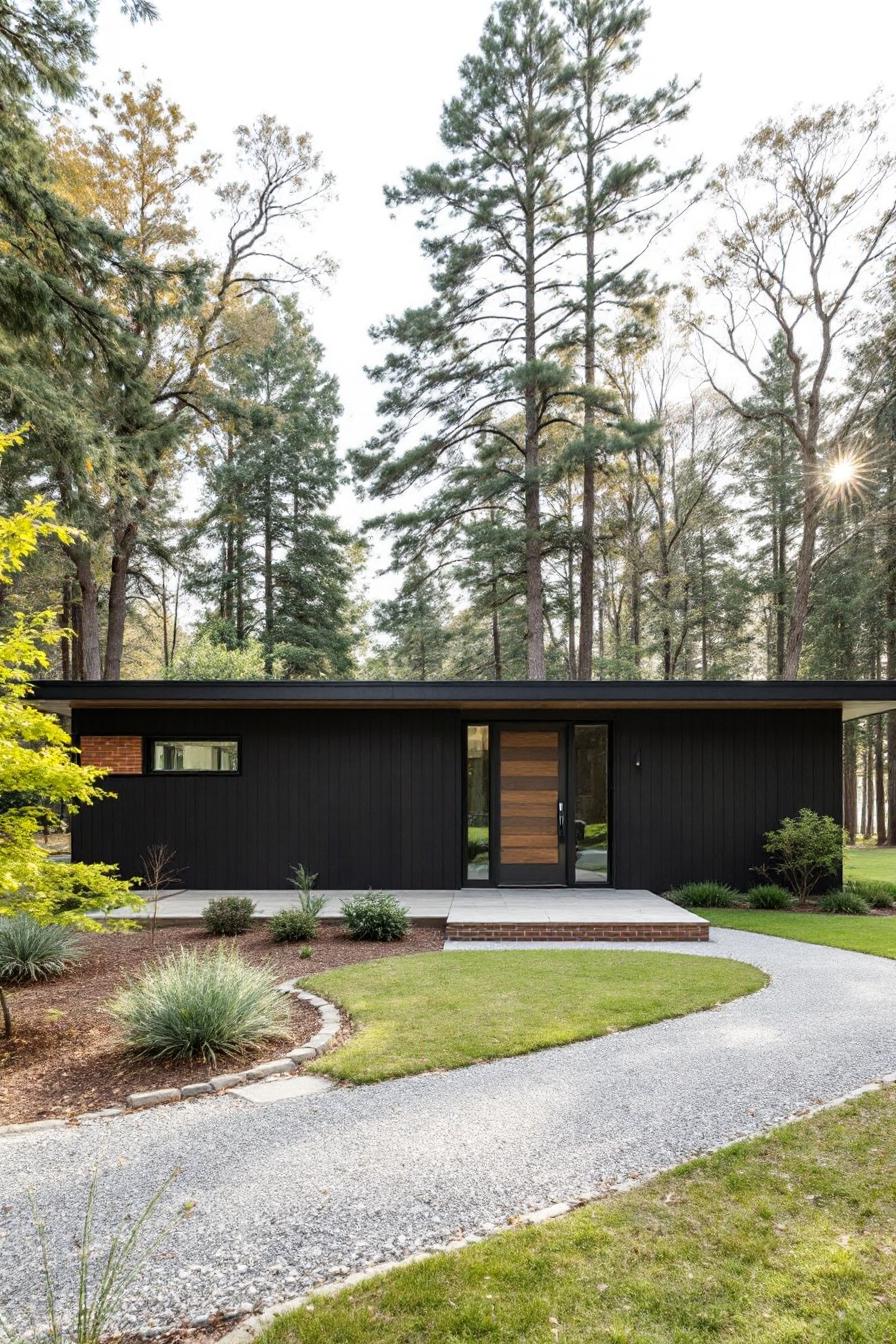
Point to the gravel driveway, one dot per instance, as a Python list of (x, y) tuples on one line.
[(288, 1192)]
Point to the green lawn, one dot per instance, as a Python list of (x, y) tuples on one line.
[(858, 933), (868, 863), (442, 1010), (788, 1239)]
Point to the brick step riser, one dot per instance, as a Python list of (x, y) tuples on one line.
[(616, 933)]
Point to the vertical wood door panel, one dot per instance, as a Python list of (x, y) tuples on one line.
[(529, 793)]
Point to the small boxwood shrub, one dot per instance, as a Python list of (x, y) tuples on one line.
[(201, 1004), (879, 895), (293, 926), (713, 894), (32, 951), (228, 915), (375, 915), (843, 903), (769, 896)]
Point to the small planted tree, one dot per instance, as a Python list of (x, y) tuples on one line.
[(38, 765), (804, 850)]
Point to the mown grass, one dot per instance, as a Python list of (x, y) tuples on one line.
[(787, 1239), (866, 862), (443, 1010), (856, 933)]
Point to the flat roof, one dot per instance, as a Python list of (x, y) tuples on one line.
[(854, 699)]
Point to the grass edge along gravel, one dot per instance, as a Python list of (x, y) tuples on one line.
[(872, 934), (788, 1236), (446, 1010)]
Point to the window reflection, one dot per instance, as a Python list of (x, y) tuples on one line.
[(590, 813), (175, 756), (478, 798)]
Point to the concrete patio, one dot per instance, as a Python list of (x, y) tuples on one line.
[(491, 912)]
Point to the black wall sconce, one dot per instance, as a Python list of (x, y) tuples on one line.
[(638, 759)]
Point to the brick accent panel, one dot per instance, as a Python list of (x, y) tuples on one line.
[(121, 755), (616, 933)]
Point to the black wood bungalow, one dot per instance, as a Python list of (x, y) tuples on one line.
[(444, 785)]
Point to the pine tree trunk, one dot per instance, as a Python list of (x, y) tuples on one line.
[(534, 594), (240, 586), (850, 782), (867, 789), (124, 541), (890, 644), (586, 577), (268, 579), (879, 781), (89, 626), (796, 631)]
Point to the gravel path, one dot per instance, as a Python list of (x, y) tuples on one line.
[(285, 1194)]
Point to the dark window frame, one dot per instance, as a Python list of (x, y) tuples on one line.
[(466, 881), (572, 881), (149, 752)]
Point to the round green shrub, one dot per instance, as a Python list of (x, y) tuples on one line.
[(843, 903), (228, 915), (32, 951), (769, 896), (716, 895), (293, 926), (375, 915), (201, 1004), (879, 895)]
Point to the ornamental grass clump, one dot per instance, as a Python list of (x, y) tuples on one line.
[(879, 895), (769, 896), (715, 895), (201, 1004), (843, 903), (32, 951), (375, 915)]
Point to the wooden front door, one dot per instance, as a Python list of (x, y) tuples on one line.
[(531, 803)]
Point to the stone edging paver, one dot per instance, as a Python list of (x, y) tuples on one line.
[(330, 1025), (251, 1326)]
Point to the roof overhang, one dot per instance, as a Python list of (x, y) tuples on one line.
[(854, 699)]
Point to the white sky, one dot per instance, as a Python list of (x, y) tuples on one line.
[(367, 79)]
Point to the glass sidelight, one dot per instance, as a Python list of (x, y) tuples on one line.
[(478, 802), (591, 812)]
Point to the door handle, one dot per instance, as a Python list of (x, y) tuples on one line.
[(561, 822)]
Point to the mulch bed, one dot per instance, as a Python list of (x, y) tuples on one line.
[(65, 1055)]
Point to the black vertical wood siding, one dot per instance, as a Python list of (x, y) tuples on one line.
[(371, 797), (365, 798), (709, 784)]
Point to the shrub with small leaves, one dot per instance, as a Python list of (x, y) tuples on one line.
[(843, 903), (375, 915), (32, 951), (228, 915), (293, 926), (769, 896), (879, 895), (201, 1004), (804, 850), (306, 952), (716, 895)]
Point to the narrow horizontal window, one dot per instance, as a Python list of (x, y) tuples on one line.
[(174, 756)]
